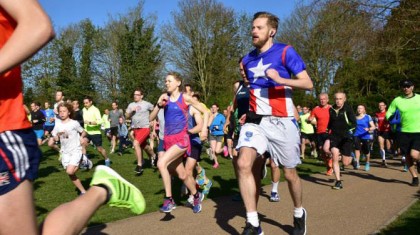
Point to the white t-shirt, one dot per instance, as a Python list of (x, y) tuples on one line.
[(70, 139)]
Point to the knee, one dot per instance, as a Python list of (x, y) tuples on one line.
[(290, 175), (244, 165)]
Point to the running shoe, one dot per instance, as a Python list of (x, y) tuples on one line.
[(201, 178), (209, 153), (207, 187), (168, 206), (225, 151), (216, 165), (251, 230), (274, 197), (108, 162), (138, 170), (315, 154), (384, 164), (330, 171), (122, 193), (354, 163), (197, 203), (338, 185), (405, 168), (367, 166), (190, 201), (300, 224), (415, 181)]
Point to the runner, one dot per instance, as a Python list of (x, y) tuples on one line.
[(307, 133), (176, 139), (383, 128), (409, 138), (92, 119), (69, 132), (24, 29), (320, 116), (340, 125), (270, 124), (38, 120), (362, 136), (217, 121), (139, 111)]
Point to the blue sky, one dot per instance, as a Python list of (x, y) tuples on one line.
[(65, 12)]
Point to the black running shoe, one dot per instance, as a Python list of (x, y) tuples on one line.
[(338, 185), (300, 224), (251, 230), (415, 181), (138, 170)]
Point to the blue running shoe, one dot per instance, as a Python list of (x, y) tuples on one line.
[(197, 203), (207, 187), (251, 230), (367, 166), (168, 206), (274, 197), (201, 178), (108, 162), (405, 169)]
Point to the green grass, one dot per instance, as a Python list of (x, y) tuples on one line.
[(407, 223), (53, 186)]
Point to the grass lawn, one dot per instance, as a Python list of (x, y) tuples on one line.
[(407, 223), (53, 186)]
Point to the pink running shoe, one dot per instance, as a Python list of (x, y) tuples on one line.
[(225, 151), (216, 165)]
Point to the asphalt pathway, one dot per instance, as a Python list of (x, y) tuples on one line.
[(368, 202)]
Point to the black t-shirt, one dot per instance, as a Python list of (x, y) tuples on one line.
[(37, 119), (342, 121), (78, 116)]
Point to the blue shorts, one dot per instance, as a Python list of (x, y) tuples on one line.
[(39, 133), (19, 158)]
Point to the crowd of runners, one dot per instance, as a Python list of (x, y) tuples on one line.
[(260, 127)]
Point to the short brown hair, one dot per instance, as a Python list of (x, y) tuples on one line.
[(272, 20)]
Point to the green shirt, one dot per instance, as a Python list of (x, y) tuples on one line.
[(92, 114), (305, 127), (410, 112), (106, 124)]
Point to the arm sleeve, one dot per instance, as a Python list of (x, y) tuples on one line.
[(391, 109)]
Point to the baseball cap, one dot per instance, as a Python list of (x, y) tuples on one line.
[(406, 83)]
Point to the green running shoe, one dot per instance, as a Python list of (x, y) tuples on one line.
[(123, 193)]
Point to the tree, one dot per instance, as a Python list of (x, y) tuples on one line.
[(139, 59), (326, 33), (203, 44)]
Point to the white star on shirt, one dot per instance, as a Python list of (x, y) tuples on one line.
[(259, 71)]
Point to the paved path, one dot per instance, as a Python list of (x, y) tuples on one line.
[(369, 201)]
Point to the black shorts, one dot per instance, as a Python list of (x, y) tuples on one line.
[(196, 152), (114, 130), (320, 139), (384, 134), (310, 137), (362, 144), (96, 139), (408, 141), (343, 143)]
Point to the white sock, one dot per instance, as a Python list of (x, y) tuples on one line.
[(274, 186), (382, 153), (298, 212), (252, 218)]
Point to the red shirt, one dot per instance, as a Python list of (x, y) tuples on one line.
[(322, 115), (12, 113), (383, 124)]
